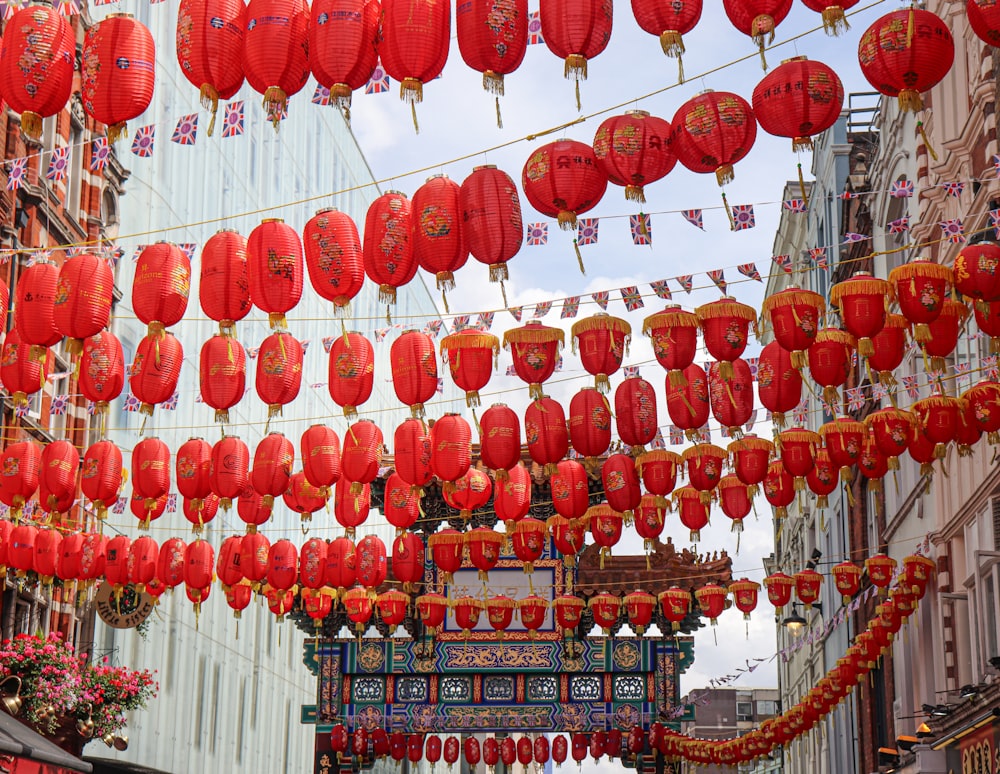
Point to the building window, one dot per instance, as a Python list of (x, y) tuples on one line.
[(767, 708), (744, 711), (982, 582)]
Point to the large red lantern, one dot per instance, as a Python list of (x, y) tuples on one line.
[(412, 444), (633, 151), (101, 475), (674, 334), (199, 563), (712, 600), (535, 351), (330, 239), (688, 404), (735, 499), (161, 286), (469, 492), (921, 287), (150, 470), (779, 383), (712, 131), (222, 375), (352, 372), (692, 510), (432, 608), (757, 19), (797, 448), (155, 370), (528, 541), (224, 289), (635, 413), (471, 356), (976, 274), (798, 99), (862, 300), (570, 490), (84, 293), (408, 560), (60, 464), (843, 438), (102, 370), (795, 316), (276, 52), (19, 472), (193, 466), (944, 332), (229, 472), (731, 399), (492, 41), (388, 252), (606, 608), (471, 750), (658, 469), (576, 32), (274, 259), (362, 453), (210, 49), (341, 569), (545, 432), (272, 466), (590, 424), (675, 603), (414, 370), (320, 450), (491, 219), (725, 325), (119, 61), (34, 304), (436, 236), (283, 564), (823, 480), (603, 342), (939, 416), (312, 563), (512, 495), (670, 22), (414, 45), (830, 361), (447, 547), (779, 589), (891, 429), (563, 179), (371, 562), (499, 439), (779, 488), (905, 53), (451, 447), (343, 40)]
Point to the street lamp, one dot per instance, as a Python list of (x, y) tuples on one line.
[(794, 622)]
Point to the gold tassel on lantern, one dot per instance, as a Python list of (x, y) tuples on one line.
[(579, 257), (575, 67), (275, 103), (210, 101), (117, 131), (412, 90), (672, 44), (762, 27), (724, 174), (340, 97), (834, 21), (920, 124)]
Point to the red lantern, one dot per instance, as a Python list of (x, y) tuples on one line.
[(400, 503), (493, 41), (341, 569), (891, 430), (272, 466), (499, 439), (944, 332), (731, 399), (563, 179), (798, 99), (834, 21), (223, 374), (362, 454), (358, 606), (757, 19), (688, 404), (84, 293), (432, 609), (621, 483), (570, 490), (917, 573), (70, 553), (568, 610), (822, 479), (528, 541), (567, 536), (452, 748), (649, 519), (794, 315), (862, 301), (155, 370), (34, 304), (414, 45), (161, 286), (675, 604), (603, 342), (391, 607), (471, 356), (847, 579), (633, 150), (330, 239), (921, 287), (904, 53), (352, 372), (923, 450), (658, 469), (750, 456), (451, 445), (102, 370), (712, 600), (312, 563), (499, 614), (745, 596), (388, 253), (397, 745), (545, 432), (888, 348), (412, 444), (639, 606), (535, 350), (670, 23), (725, 325), (469, 492), (274, 250), (199, 562), (674, 334), (576, 33), (229, 469), (116, 558), (830, 361), (408, 560), (939, 419), (320, 450), (436, 235), (975, 272), (491, 217), (512, 495), (303, 498), (59, 466), (351, 508), (101, 475), (807, 586), (880, 569), (590, 424), (606, 608), (605, 527), (779, 589), (872, 464), (988, 319), (983, 400), (22, 371), (343, 38), (712, 131), (317, 605), (797, 448), (467, 610), (779, 488), (471, 746), (843, 438), (414, 370), (447, 547), (692, 509), (532, 611), (276, 53), (635, 413), (193, 467), (46, 553), (118, 68), (224, 289), (735, 499), (704, 467), (484, 549), (579, 748), (151, 471)]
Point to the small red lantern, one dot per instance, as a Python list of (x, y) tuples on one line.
[(59, 466), (649, 521), (905, 53), (102, 370), (881, 569), (392, 607), (528, 542), (254, 551), (303, 498), (436, 235), (621, 483), (603, 343), (272, 466), (944, 332), (362, 453), (725, 325), (342, 46), (891, 429), (921, 287), (888, 348), (155, 370), (712, 600), (224, 289), (447, 547), (862, 300), (606, 608), (400, 503), (471, 750), (469, 492), (432, 608), (351, 372), (151, 470), (590, 424), (499, 614), (535, 350), (414, 45), (799, 99), (674, 334), (830, 361), (635, 413), (484, 546), (388, 252), (467, 610), (491, 219), (795, 316), (938, 416), (567, 536), (576, 32), (823, 479), (692, 509), (639, 606), (161, 286), (312, 563), (408, 560), (712, 131), (675, 603), (745, 596), (731, 399), (359, 608), (807, 586), (84, 294), (229, 472), (779, 488), (414, 370), (412, 444), (658, 469), (779, 589), (568, 610), (975, 272), (988, 319), (199, 563), (193, 465), (471, 357), (320, 450), (512, 495), (983, 400), (532, 611), (274, 256), (797, 448), (492, 43), (341, 567), (276, 53), (734, 496), (499, 439), (283, 564), (605, 527), (101, 475), (451, 447), (873, 465), (330, 238), (563, 179), (847, 578), (750, 456), (570, 489), (688, 405), (34, 304), (704, 467), (119, 62), (545, 432), (670, 23), (22, 370), (633, 151), (351, 508), (222, 375), (757, 19), (843, 438)]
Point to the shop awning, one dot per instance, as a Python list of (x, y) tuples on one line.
[(18, 740)]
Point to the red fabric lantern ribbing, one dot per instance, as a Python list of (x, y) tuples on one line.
[(576, 32), (351, 372), (779, 488), (400, 503), (750, 456), (161, 286), (976, 274), (272, 466), (412, 446), (193, 466), (725, 325), (22, 371), (451, 447), (101, 475), (320, 450), (155, 370), (119, 62), (562, 180), (745, 596), (210, 49), (388, 253), (984, 19), (492, 40), (757, 19), (408, 560), (794, 315), (224, 288), (590, 424), (731, 399), (512, 495), (535, 350), (36, 67), (843, 438), (102, 370), (944, 333), (60, 464), (712, 131), (735, 499), (362, 453), (279, 371), (414, 45), (343, 46), (799, 99), (670, 22), (921, 287), (779, 589), (446, 549), (603, 342), (499, 439), (674, 334), (82, 305), (621, 483), (823, 479), (491, 219), (274, 266), (469, 492), (570, 491), (471, 355), (34, 304), (830, 361), (351, 508), (635, 413), (658, 469), (712, 600), (276, 52), (862, 301), (606, 608), (222, 375), (779, 383), (333, 253), (437, 237), (229, 471), (414, 370), (633, 151), (545, 432), (834, 21), (688, 405), (904, 53)]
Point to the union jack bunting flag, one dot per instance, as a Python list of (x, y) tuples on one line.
[(542, 308), (534, 29), (17, 171), (232, 122), (694, 217), (59, 404), (899, 225), (963, 371), (754, 364), (586, 231), (38, 256), (953, 230), (381, 333), (818, 256), (69, 7), (510, 371), (170, 404), (901, 189), (784, 262), (702, 435), (855, 398), (538, 233), (142, 143), (749, 270), (276, 110), (953, 189), (642, 229), (379, 82), (718, 276), (630, 371), (910, 385), (794, 205), (676, 435), (996, 165), (99, 152), (434, 327), (848, 195), (252, 352), (171, 502), (750, 422), (801, 412), (119, 506), (440, 385), (137, 252), (724, 431), (658, 442), (851, 237), (132, 403), (189, 249), (516, 312), (685, 281), (879, 391), (570, 307), (559, 363), (485, 320), (318, 385), (601, 297), (321, 96), (743, 217), (460, 322), (662, 289), (58, 162), (631, 297), (305, 345), (995, 222), (186, 131), (989, 366)]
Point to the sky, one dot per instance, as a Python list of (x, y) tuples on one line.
[(458, 131)]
